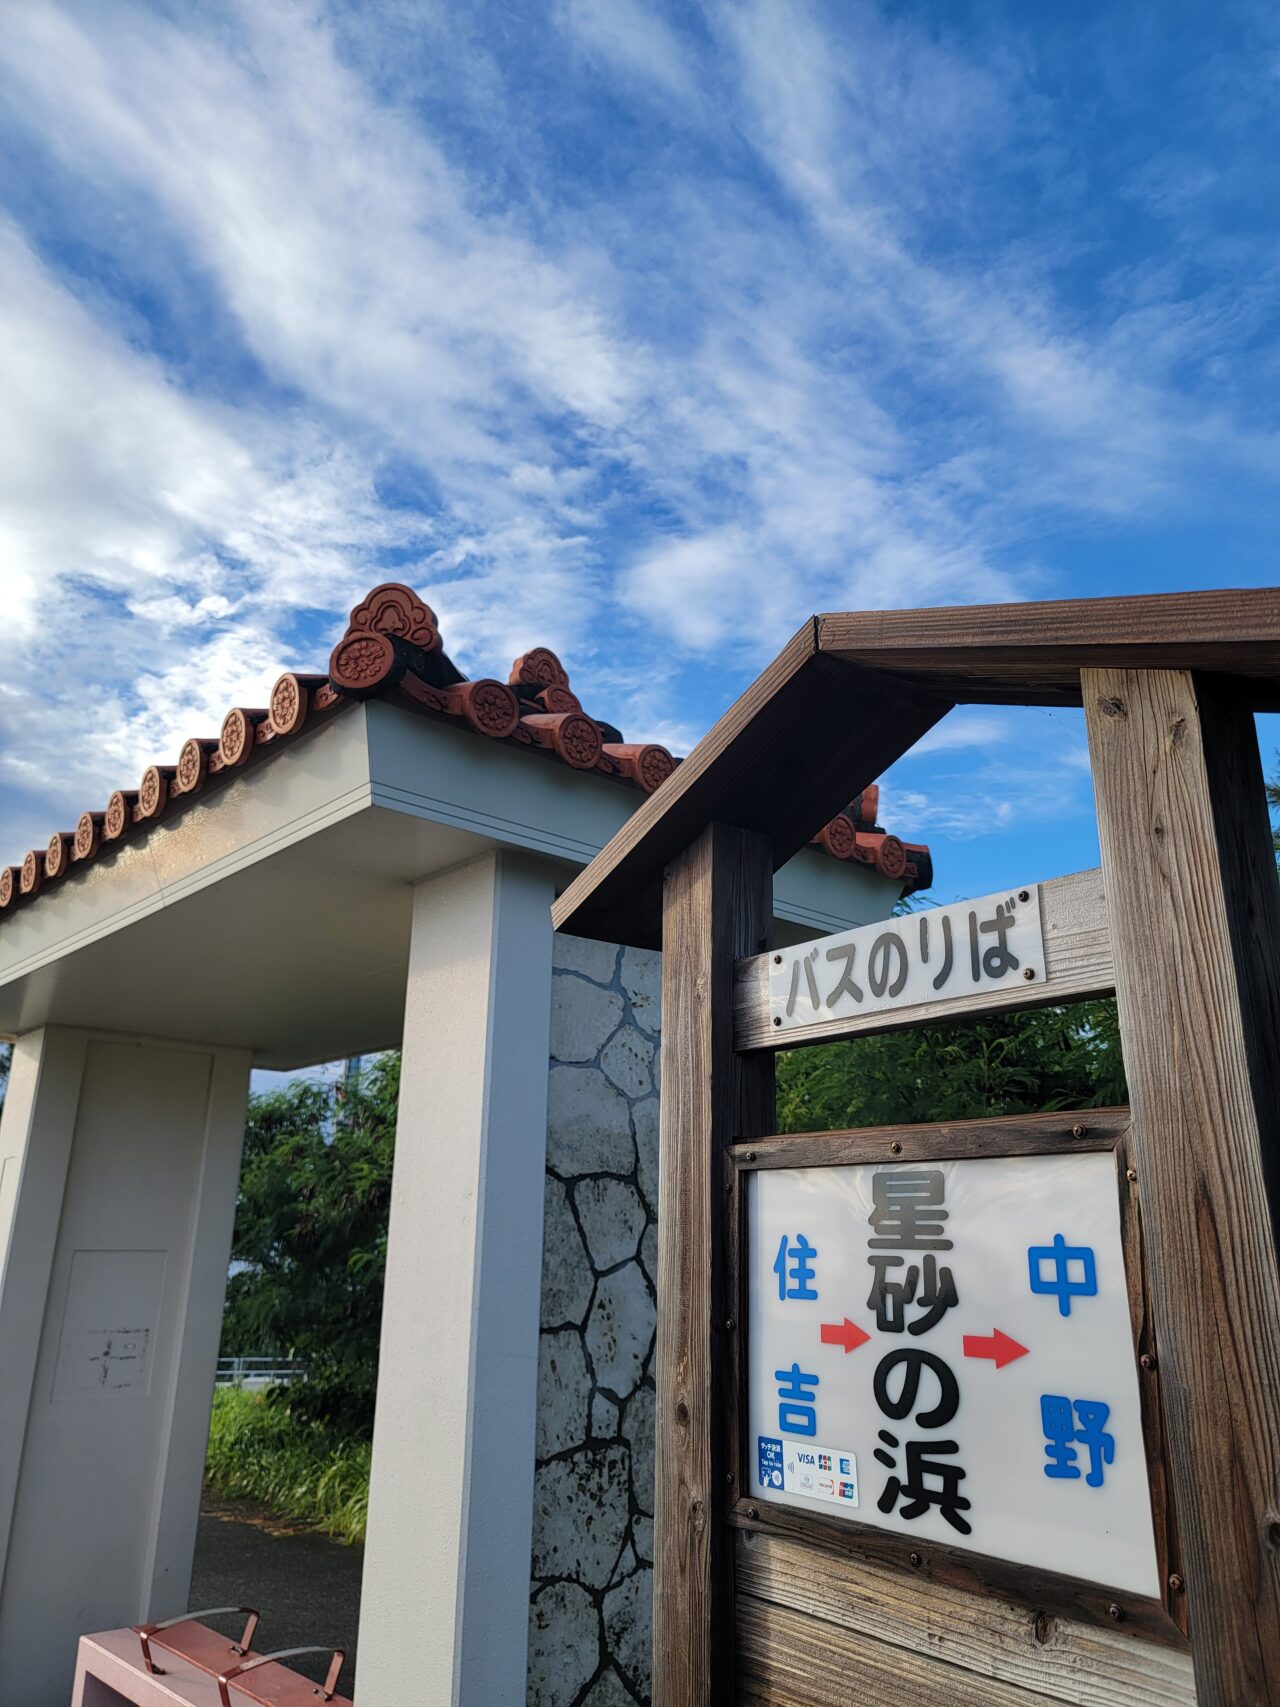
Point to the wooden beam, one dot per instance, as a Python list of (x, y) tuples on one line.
[(806, 736), (789, 1659), (1032, 654), (981, 1633), (1194, 915), (718, 905), (853, 691), (1077, 963)]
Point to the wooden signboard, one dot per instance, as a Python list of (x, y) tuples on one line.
[(990, 1412), (930, 1363)]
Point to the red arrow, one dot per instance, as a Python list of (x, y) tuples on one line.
[(846, 1333), (999, 1347)]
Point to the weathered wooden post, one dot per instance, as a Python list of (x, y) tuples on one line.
[(1195, 928), (983, 1413)]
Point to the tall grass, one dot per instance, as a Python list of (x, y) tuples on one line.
[(300, 1470)]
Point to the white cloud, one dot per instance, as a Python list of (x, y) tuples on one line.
[(143, 535), (665, 410), (339, 235), (986, 771), (962, 730), (633, 39), (343, 243)]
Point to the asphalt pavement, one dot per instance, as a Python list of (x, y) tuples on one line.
[(307, 1587)]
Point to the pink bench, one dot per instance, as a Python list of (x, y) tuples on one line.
[(184, 1663)]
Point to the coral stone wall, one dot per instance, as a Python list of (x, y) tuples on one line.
[(593, 1497)]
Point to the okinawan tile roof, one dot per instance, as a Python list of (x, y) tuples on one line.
[(854, 835), (392, 649)]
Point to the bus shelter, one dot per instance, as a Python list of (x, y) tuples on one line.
[(365, 861)]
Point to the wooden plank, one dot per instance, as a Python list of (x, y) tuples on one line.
[(1008, 1135), (787, 1657), (976, 1573), (1077, 963), (1032, 654), (1018, 1645), (718, 904), (795, 748), (1195, 921)]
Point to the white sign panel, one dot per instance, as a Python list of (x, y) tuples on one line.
[(960, 950), (944, 1350), (109, 1323)]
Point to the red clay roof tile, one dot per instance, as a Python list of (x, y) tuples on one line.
[(392, 648)]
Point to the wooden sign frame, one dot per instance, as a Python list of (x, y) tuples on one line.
[(1169, 685), (1097, 1130)]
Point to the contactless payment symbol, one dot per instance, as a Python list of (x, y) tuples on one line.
[(770, 1455)]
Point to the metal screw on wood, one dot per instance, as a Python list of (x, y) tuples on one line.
[(1116, 1612), (1175, 1582), (729, 1325), (751, 1155), (896, 1148), (1131, 1174), (1079, 1130), (1029, 973), (915, 1559), (1147, 1361), (753, 1512)]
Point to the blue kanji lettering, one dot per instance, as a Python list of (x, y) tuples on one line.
[(1059, 1426), (1062, 1284), (793, 1266), (1064, 1431), (1091, 1415), (797, 1400)]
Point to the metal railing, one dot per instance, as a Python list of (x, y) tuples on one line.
[(259, 1371)]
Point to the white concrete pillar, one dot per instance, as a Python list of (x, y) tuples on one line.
[(445, 1601), (119, 1160)]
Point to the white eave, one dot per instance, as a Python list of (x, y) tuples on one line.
[(274, 914)]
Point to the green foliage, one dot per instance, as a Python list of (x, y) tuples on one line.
[(1020, 1063), (308, 1471), (6, 1055), (1273, 802), (311, 1230), (310, 1244)]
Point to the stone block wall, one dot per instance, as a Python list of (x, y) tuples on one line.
[(593, 1498)]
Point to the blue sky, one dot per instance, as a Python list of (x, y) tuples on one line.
[(639, 331)]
